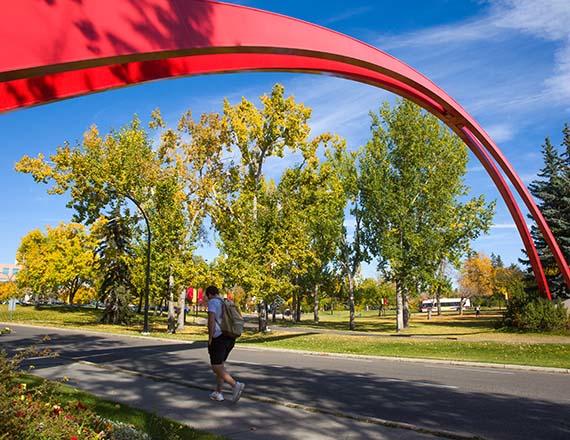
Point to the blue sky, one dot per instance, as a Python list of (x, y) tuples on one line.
[(506, 61)]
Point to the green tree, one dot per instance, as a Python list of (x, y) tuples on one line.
[(102, 173), (351, 248), (312, 202), (412, 172), (115, 262), (552, 189), (248, 214), (57, 263), (509, 282), (375, 293)]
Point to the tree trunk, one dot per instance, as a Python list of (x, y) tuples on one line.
[(316, 304), (438, 299), (181, 308), (399, 309), (73, 290), (406, 309), (171, 314), (351, 302), (262, 316), (139, 308), (273, 313), (298, 311), (461, 302)]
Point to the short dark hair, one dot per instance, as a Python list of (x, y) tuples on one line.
[(212, 291)]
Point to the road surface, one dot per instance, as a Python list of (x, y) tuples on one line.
[(485, 402)]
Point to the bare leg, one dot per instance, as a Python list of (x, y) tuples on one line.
[(222, 376), (219, 384)]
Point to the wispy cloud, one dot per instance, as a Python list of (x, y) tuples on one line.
[(501, 132), (349, 13), (474, 44), (505, 226), (339, 106)]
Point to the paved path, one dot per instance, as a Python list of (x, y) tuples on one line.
[(493, 404)]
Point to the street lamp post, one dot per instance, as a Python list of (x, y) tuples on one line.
[(147, 272)]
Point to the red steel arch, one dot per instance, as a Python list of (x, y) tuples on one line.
[(56, 49)]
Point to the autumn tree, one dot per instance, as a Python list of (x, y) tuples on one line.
[(412, 192), (247, 215), (8, 290), (477, 277), (57, 263)]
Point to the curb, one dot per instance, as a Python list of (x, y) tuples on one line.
[(292, 405), (246, 346)]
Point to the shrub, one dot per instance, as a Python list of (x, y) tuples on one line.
[(536, 315)]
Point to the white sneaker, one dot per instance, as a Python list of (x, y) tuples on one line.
[(238, 389), (217, 396)]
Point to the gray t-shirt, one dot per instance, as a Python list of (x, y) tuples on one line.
[(215, 307)]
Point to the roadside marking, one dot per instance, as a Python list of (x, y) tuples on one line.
[(341, 358), (479, 370), (421, 384), (256, 363)]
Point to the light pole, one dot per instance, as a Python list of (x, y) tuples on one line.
[(147, 272)]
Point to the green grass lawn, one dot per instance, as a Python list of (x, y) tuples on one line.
[(156, 427), (449, 336), (87, 318), (520, 353)]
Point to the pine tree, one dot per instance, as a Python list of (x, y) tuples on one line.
[(115, 256), (552, 189)]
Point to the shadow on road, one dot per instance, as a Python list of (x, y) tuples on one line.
[(426, 403)]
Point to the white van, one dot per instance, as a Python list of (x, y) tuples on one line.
[(450, 304)]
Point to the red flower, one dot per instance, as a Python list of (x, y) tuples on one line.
[(73, 437)]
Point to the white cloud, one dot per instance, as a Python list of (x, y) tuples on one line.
[(501, 132)]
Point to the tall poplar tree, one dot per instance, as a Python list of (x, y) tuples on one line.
[(411, 187)]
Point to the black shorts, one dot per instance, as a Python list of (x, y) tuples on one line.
[(220, 348)]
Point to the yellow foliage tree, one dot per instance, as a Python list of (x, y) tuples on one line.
[(477, 277), (8, 290)]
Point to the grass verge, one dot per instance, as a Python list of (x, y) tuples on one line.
[(535, 354)]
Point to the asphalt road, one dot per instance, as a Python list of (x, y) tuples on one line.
[(490, 403)]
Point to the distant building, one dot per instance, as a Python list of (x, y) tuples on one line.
[(8, 272)]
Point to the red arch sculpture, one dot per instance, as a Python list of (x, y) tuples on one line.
[(57, 49)]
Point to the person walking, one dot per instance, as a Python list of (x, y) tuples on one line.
[(219, 347)]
